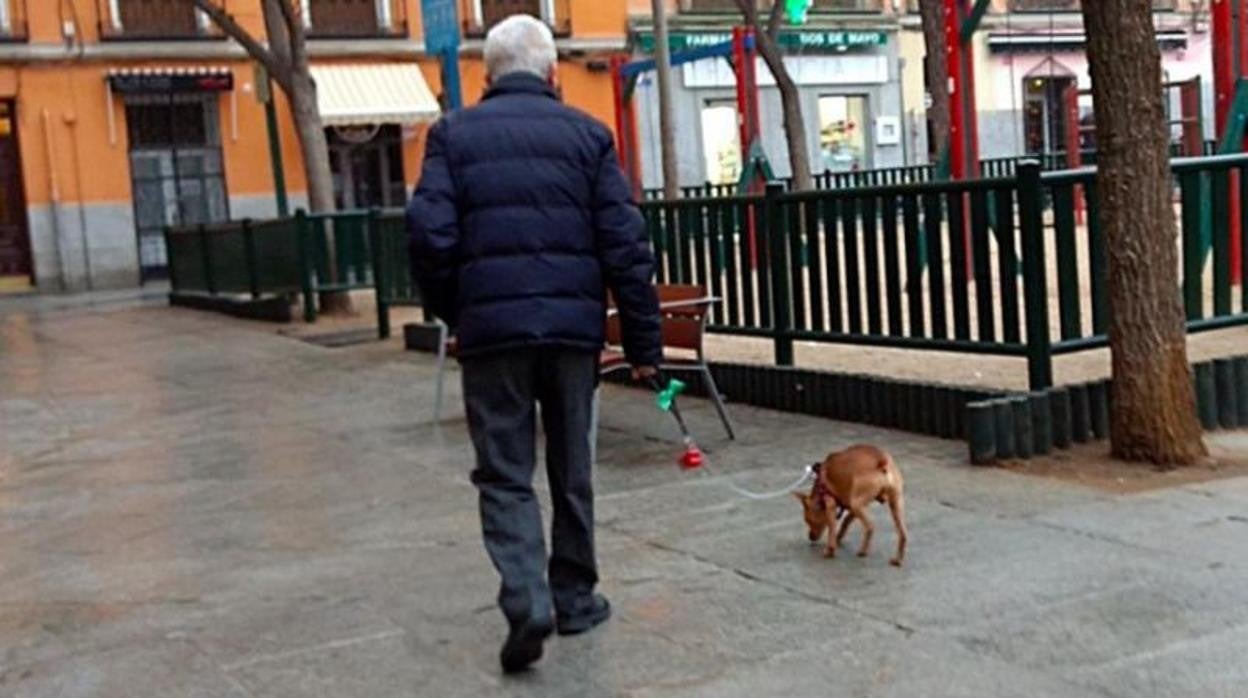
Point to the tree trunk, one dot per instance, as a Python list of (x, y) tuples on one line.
[(285, 57), (936, 71), (791, 103), (313, 144), (667, 122), (1153, 416), (314, 147)]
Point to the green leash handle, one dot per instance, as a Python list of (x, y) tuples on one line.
[(666, 397)]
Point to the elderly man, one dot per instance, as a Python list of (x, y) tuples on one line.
[(521, 223)]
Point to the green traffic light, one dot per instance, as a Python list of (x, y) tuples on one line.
[(797, 10)]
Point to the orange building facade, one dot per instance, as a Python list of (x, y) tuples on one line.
[(119, 117)]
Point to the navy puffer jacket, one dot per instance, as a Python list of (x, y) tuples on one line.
[(521, 223)]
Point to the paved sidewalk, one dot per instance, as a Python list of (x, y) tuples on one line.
[(194, 506)]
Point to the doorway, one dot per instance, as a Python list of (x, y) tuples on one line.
[(16, 268), (1044, 112), (367, 166), (175, 169)]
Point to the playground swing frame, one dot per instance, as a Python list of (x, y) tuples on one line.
[(741, 53)]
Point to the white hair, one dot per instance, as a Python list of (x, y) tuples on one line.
[(520, 44)]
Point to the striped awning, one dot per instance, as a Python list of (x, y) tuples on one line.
[(170, 79), (374, 93)]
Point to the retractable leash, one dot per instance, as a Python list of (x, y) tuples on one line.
[(694, 459)]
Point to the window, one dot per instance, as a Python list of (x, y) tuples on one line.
[(487, 13), (843, 133), (355, 18), (175, 168), (721, 142), (155, 19)]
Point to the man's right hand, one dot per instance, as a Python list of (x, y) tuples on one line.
[(644, 373)]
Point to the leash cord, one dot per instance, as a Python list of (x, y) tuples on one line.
[(674, 410), (760, 496)]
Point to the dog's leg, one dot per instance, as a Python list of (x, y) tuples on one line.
[(859, 512), (840, 535), (833, 539), (897, 505)]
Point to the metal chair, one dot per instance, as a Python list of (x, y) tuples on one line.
[(684, 310)]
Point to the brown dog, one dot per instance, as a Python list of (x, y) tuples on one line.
[(850, 480)]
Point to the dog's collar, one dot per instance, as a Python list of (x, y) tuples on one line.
[(820, 492)]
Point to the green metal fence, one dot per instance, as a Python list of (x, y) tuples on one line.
[(1012, 266), (393, 275), (246, 257), (978, 267), (990, 168), (305, 254)]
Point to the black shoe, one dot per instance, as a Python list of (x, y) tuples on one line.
[(524, 646), (599, 612)]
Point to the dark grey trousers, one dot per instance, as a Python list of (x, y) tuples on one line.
[(501, 393)]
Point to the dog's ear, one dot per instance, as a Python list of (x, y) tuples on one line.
[(802, 497)]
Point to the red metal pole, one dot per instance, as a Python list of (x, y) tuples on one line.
[(1228, 66), (1223, 62), (747, 120), (751, 84), (1235, 229), (738, 64), (617, 95), (957, 128), (625, 127), (1074, 154), (634, 147), (971, 120)]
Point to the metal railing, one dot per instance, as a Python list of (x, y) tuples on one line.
[(303, 255), (976, 267), (989, 168)]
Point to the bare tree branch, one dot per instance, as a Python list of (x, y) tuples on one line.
[(296, 30), (279, 41), (288, 13), (237, 32), (775, 21), (749, 10), (936, 74), (767, 44)]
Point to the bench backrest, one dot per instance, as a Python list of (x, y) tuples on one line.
[(683, 320)]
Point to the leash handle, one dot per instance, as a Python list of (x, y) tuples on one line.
[(667, 402)]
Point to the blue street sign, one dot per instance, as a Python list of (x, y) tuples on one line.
[(441, 21)]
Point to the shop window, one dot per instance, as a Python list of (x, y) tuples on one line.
[(843, 133), (721, 142)]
